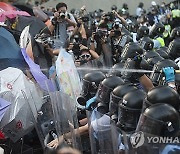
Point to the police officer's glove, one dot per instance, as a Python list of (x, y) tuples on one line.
[(169, 74), (137, 59)]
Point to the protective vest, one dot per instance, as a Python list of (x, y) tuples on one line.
[(176, 13), (167, 31), (161, 41)]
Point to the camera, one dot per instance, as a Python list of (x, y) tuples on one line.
[(85, 19), (99, 34), (76, 46), (62, 15), (109, 17), (44, 39), (117, 25)]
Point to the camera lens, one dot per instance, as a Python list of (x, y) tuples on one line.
[(62, 15), (116, 26)]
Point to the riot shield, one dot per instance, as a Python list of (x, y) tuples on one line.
[(142, 142), (100, 133), (65, 118), (42, 115), (116, 138), (56, 121), (17, 120), (125, 142), (121, 139)]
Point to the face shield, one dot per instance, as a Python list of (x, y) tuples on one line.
[(127, 117)]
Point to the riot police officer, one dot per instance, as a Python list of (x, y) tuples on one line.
[(91, 82), (156, 33)]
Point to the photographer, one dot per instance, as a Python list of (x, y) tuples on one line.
[(101, 44), (59, 24), (115, 36), (78, 44)]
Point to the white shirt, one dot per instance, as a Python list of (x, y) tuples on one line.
[(139, 11)]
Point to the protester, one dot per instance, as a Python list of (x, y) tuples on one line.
[(140, 10)]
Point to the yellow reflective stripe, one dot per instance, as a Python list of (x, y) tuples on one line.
[(167, 31), (176, 13), (161, 41)]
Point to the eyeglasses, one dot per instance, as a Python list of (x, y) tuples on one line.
[(85, 56)]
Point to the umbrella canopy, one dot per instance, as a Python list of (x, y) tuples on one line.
[(10, 53), (24, 7), (40, 14), (7, 10), (35, 27), (9, 47), (11, 14), (6, 7)]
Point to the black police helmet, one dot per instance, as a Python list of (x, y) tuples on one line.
[(157, 30), (131, 50), (161, 94), (130, 109), (117, 95), (163, 52), (106, 86), (159, 120), (91, 82), (146, 43), (156, 76), (142, 31), (174, 49)]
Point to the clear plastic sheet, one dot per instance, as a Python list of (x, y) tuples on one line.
[(101, 133), (17, 121)]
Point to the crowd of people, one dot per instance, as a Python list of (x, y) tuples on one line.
[(129, 71)]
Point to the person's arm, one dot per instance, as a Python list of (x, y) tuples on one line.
[(71, 21), (92, 41), (79, 131), (146, 82), (51, 51), (143, 79), (83, 121), (121, 18), (92, 52), (82, 32), (107, 54)]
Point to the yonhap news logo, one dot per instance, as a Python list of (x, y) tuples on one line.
[(138, 139)]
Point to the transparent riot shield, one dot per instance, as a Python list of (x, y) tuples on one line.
[(116, 137), (141, 143), (17, 120), (65, 118), (100, 133), (125, 145)]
